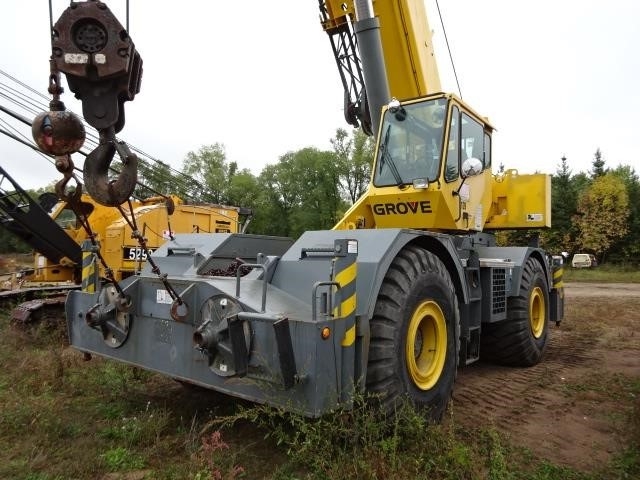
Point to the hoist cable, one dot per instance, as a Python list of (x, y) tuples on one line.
[(51, 24), (453, 66)]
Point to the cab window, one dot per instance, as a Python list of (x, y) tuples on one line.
[(487, 150), (410, 143), (452, 164), (472, 139)]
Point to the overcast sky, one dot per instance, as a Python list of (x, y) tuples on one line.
[(555, 78)]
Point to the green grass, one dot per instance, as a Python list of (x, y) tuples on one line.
[(121, 459), (602, 274), (62, 417)]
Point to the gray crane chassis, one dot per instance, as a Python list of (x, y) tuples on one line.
[(292, 327)]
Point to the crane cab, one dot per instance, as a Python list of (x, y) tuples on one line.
[(432, 171)]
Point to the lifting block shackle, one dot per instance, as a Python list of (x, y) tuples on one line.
[(104, 70)]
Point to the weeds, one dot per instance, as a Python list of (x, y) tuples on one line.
[(144, 429), (42, 476), (496, 457), (120, 458), (52, 402), (363, 443), (627, 463), (218, 463), (548, 471)]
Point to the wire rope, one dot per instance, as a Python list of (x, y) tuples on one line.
[(453, 66)]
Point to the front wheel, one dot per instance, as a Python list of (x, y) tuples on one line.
[(414, 334)]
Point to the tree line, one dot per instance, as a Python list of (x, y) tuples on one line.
[(310, 189)]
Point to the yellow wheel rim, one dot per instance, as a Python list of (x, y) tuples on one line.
[(537, 312), (426, 345)]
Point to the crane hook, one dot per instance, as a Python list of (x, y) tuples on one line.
[(104, 190)]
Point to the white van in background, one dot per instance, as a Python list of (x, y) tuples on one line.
[(584, 260)]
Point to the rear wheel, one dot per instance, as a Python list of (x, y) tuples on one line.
[(521, 339), (414, 334)]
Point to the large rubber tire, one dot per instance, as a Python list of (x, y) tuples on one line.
[(521, 339), (414, 334)]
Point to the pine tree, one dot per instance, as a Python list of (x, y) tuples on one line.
[(598, 165), (564, 200)]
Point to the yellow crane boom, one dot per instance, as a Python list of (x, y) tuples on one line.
[(420, 176)]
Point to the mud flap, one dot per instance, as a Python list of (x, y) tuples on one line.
[(285, 352), (556, 296), (556, 310)]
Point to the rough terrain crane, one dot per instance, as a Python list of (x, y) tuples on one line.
[(406, 288)]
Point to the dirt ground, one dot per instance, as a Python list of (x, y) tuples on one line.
[(572, 408)]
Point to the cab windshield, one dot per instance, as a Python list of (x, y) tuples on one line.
[(411, 143)]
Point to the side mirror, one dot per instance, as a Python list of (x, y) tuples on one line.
[(397, 109), (471, 167)]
